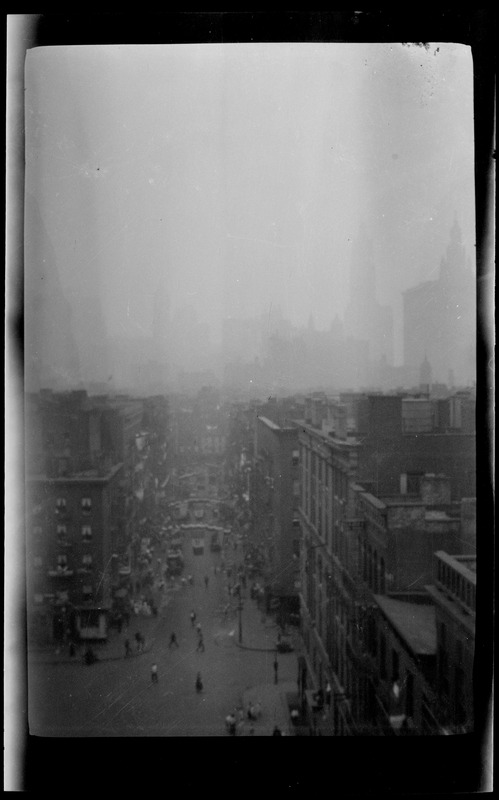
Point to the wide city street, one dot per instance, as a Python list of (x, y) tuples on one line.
[(117, 697)]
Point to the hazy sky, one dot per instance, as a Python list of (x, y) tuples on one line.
[(235, 177)]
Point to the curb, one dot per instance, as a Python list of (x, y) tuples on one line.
[(256, 649)]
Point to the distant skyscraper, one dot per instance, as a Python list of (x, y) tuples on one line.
[(440, 318), (365, 318), (161, 323), (425, 374), (52, 359)]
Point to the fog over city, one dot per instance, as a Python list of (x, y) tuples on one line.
[(173, 190), (246, 491)]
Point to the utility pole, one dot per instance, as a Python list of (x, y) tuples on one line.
[(240, 609)]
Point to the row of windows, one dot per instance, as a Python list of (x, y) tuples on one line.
[(85, 504), (62, 533), (373, 570), (458, 584), (63, 596), (62, 561)]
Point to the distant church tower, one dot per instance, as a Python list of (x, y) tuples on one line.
[(365, 318)]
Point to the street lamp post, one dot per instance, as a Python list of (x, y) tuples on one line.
[(240, 609)]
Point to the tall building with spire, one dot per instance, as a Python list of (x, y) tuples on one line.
[(440, 318), (365, 318), (52, 357)]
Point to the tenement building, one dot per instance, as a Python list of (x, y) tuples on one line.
[(274, 501), (373, 512), (86, 492)]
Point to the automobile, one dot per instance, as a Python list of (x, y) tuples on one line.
[(284, 644), (174, 562)]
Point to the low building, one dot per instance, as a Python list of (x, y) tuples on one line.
[(454, 594), (403, 652)]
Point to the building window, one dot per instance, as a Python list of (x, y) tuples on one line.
[(60, 505), (87, 561), (38, 562), (295, 458), (38, 598), (296, 488), (86, 505), (395, 665), (409, 694), (62, 535), (62, 562), (88, 593), (382, 656), (413, 482), (86, 533)]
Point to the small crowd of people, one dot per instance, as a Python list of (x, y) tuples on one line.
[(235, 720)]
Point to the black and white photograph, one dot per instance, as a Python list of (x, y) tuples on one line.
[(249, 300)]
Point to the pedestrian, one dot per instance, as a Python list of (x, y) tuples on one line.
[(328, 694), (206, 581), (200, 647), (154, 673), (276, 670), (199, 683), (72, 649), (173, 640), (128, 649), (230, 723), (193, 618), (198, 628)]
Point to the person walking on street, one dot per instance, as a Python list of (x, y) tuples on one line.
[(230, 723), (200, 647), (173, 640), (328, 695), (193, 618), (198, 629), (206, 581), (199, 683), (276, 670), (154, 673), (128, 649)]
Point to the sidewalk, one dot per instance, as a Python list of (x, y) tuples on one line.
[(259, 632)]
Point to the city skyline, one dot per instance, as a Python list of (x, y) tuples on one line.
[(227, 180)]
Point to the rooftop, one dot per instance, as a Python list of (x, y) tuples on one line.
[(465, 564), (83, 476), (415, 623), (274, 426)]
